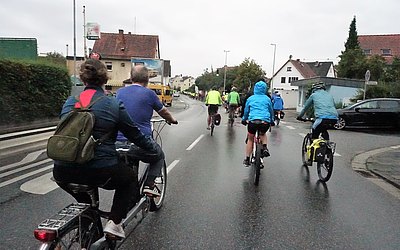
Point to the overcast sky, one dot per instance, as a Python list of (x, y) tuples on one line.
[(194, 34)]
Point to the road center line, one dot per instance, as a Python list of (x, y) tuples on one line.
[(172, 165), (195, 142)]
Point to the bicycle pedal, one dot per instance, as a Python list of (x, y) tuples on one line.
[(112, 236)]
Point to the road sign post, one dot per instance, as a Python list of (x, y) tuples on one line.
[(367, 76)]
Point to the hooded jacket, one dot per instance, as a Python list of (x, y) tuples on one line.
[(324, 105), (259, 105)]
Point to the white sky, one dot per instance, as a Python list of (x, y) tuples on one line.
[(194, 34)]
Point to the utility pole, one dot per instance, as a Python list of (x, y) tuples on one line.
[(84, 32), (67, 50), (226, 59), (74, 45)]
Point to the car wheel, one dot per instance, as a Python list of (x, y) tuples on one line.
[(341, 123)]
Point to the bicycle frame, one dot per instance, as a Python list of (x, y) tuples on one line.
[(51, 230)]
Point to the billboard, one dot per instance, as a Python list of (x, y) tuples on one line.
[(92, 31), (155, 67)]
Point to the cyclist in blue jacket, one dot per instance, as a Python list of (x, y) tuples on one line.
[(259, 115), (324, 111)]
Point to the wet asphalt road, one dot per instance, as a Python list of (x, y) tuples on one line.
[(211, 202)]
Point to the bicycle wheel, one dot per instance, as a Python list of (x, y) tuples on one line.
[(325, 168), (306, 143), (212, 127), (161, 185), (78, 236), (257, 165)]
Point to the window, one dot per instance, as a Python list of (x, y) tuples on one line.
[(122, 64), (386, 52), (289, 69), (369, 105), (109, 66), (389, 104), (293, 79), (283, 79), (367, 51)]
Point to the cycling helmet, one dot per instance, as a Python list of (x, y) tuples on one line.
[(233, 89), (318, 85)]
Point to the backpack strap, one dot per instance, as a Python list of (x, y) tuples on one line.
[(85, 99)]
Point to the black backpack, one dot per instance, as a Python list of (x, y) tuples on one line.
[(73, 140)]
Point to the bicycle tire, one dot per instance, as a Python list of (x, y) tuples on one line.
[(325, 168), (257, 165), (70, 238), (212, 128), (161, 184), (306, 142)]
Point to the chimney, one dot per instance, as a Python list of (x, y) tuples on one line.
[(121, 32)]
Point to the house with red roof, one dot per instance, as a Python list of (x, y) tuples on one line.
[(387, 46), (294, 70), (117, 49)]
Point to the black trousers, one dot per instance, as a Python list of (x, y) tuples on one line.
[(121, 178)]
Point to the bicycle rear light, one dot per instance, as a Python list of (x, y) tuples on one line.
[(45, 235)]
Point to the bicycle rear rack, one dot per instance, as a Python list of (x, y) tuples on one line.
[(64, 216)]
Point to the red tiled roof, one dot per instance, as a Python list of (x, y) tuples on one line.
[(378, 42), (125, 46), (304, 69)]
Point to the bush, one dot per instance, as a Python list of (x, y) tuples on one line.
[(31, 91)]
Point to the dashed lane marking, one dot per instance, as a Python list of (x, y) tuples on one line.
[(290, 127), (195, 142), (172, 165), (25, 168)]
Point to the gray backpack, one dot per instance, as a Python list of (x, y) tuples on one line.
[(73, 140)]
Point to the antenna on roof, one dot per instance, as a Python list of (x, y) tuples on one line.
[(134, 27)]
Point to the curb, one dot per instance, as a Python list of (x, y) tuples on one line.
[(359, 165)]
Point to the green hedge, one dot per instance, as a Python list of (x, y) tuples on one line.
[(31, 91)]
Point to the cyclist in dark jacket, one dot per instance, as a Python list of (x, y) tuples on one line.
[(104, 169), (324, 110)]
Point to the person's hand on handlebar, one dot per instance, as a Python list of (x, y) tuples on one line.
[(244, 122)]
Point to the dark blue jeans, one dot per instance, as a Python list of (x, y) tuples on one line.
[(155, 160)]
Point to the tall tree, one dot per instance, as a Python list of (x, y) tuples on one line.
[(248, 73), (352, 40), (352, 62)]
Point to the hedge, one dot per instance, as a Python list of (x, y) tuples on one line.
[(31, 91)]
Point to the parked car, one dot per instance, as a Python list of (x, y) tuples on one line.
[(378, 112), (176, 94)]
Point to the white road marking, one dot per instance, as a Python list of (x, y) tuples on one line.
[(172, 165), (195, 142), (21, 177), (290, 127), (25, 168), (395, 147), (302, 135), (40, 185), (336, 154), (28, 158)]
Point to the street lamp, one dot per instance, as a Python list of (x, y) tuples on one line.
[(273, 68), (226, 58)]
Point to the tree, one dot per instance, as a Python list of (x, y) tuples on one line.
[(352, 62), (54, 58), (248, 73)]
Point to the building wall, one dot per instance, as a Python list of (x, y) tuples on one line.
[(182, 82), (289, 98), (276, 81)]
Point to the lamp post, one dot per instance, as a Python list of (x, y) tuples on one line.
[(273, 68), (226, 58)]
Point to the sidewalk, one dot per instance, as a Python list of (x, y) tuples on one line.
[(386, 164)]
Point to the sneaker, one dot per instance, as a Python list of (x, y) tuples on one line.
[(265, 153), (114, 229), (151, 191), (208, 128), (246, 162)]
